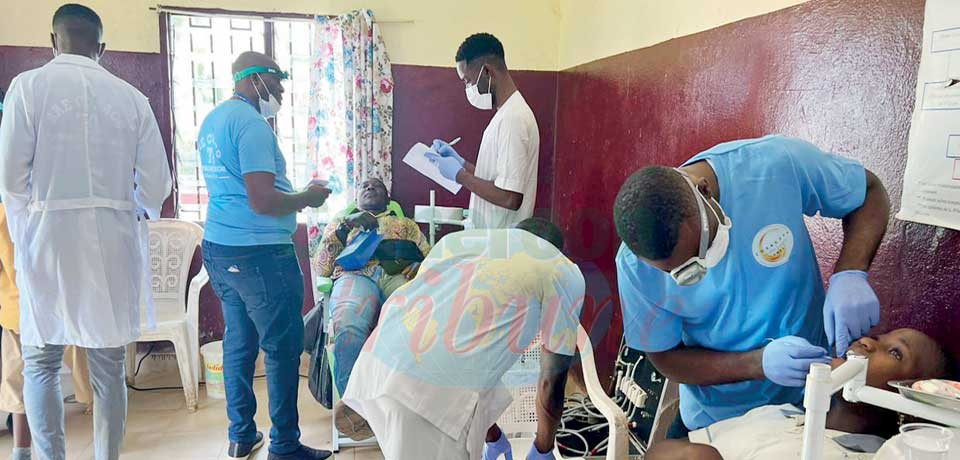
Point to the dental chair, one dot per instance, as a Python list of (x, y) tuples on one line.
[(322, 287)]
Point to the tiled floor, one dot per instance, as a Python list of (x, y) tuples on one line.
[(159, 426)]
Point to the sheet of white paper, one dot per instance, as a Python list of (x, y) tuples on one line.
[(931, 184), (417, 160)]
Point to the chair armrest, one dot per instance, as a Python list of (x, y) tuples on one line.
[(619, 445), (323, 285), (201, 279), (667, 412)]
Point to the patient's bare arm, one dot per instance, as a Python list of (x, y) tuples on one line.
[(673, 449)]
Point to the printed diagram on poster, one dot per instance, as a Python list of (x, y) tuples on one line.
[(931, 185)]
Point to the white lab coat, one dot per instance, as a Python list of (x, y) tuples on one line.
[(80, 157), (412, 418)]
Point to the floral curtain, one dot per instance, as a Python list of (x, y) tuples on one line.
[(351, 110)]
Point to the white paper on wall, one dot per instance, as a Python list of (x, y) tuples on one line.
[(931, 184)]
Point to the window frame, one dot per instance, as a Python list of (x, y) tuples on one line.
[(269, 48)]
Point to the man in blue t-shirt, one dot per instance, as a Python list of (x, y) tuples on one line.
[(248, 251), (719, 282)]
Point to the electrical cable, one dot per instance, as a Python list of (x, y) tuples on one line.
[(140, 363), (148, 353)]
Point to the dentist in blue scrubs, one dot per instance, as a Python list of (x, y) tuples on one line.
[(719, 281)]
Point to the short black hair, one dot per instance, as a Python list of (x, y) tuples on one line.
[(543, 228), (77, 14), (480, 45), (649, 210)]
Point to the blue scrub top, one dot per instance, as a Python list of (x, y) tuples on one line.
[(767, 286), (236, 140)]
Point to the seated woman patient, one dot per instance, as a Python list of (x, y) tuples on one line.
[(358, 295), (777, 431)]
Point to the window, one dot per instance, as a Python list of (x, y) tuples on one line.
[(201, 50)]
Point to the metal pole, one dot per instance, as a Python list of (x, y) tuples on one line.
[(433, 217)]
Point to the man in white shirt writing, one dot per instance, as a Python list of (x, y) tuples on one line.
[(504, 179)]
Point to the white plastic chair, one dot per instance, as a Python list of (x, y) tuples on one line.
[(172, 246), (668, 410), (519, 422)]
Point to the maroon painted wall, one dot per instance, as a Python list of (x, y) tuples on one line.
[(840, 73), (428, 102)]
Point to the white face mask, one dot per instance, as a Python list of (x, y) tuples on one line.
[(480, 101), (695, 269), (269, 107)]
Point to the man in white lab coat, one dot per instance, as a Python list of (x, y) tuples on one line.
[(429, 379), (81, 165), (503, 182)]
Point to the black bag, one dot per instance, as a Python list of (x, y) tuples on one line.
[(312, 327), (320, 379), (395, 255)]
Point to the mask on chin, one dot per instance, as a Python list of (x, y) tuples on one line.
[(268, 107), (710, 255)]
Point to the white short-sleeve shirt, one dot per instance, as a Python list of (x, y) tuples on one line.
[(509, 154)]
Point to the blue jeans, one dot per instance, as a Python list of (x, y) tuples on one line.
[(261, 290), (355, 309), (44, 401)]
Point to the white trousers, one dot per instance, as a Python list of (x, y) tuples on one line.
[(405, 435)]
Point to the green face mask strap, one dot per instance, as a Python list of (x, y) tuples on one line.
[(259, 69)]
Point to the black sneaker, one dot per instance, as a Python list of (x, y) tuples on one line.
[(242, 451), (303, 453)]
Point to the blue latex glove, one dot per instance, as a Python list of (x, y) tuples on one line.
[(786, 361), (446, 150), (493, 450), (536, 455), (850, 309), (449, 167)]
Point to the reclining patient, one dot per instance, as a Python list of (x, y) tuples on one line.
[(358, 295), (776, 432)]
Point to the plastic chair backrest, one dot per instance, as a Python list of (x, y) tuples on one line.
[(393, 206), (520, 418), (173, 244)]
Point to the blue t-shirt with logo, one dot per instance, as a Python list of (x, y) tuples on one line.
[(767, 286), (236, 140)]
